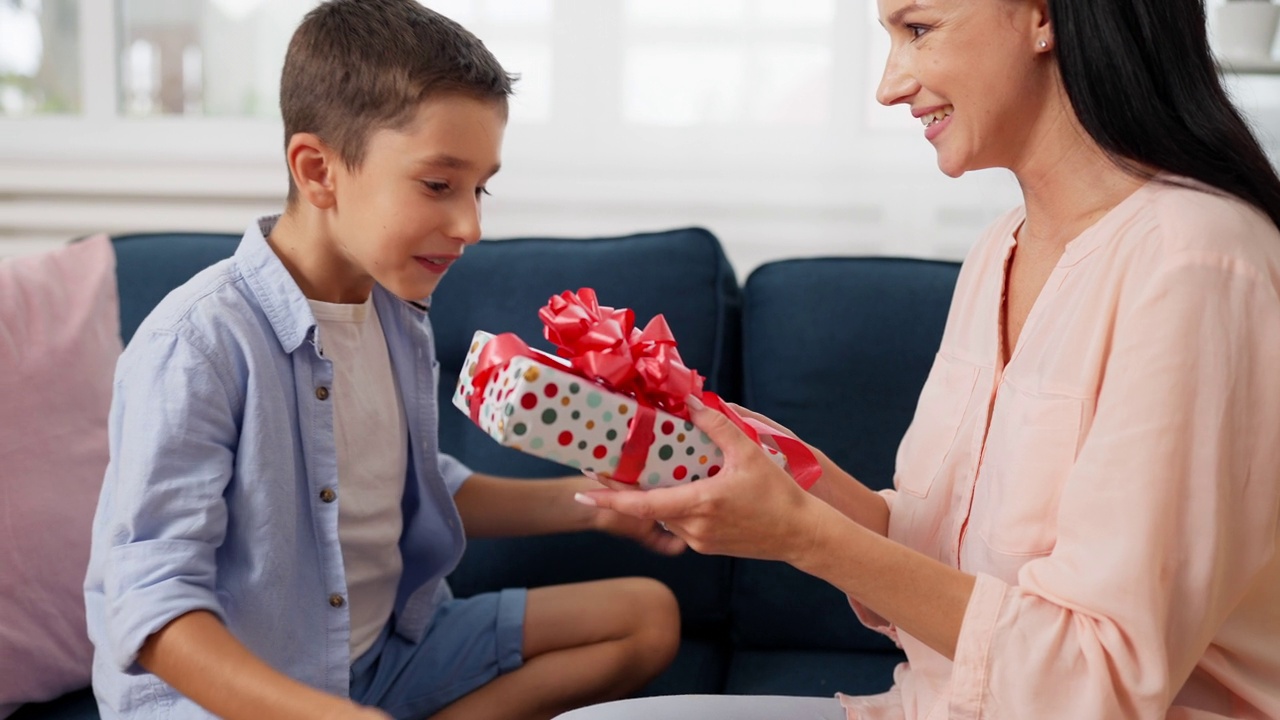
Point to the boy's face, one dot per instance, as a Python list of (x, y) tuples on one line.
[(405, 215)]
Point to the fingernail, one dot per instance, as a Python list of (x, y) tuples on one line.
[(695, 403), (585, 499), (591, 474)]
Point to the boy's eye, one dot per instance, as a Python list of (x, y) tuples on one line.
[(436, 187), (483, 191)]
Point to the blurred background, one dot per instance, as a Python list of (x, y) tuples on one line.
[(753, 118)]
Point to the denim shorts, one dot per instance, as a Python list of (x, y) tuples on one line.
[(470, 642)]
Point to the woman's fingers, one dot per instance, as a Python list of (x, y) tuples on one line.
[(744, 412)]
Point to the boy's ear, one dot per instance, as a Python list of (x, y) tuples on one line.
[(311, 164)]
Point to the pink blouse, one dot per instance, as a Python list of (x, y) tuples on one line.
[(1116, 487)]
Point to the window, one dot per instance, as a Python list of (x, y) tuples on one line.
[(39, 57)]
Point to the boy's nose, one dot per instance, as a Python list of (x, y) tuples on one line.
[(466, 223)]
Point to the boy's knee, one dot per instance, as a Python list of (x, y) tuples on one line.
[(657, 616)]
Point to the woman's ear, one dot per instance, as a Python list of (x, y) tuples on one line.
[(1043, 25), (311, 165)]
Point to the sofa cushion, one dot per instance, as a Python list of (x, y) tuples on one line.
[(837, 350), (59, 342), (499, 287), (810, 673)]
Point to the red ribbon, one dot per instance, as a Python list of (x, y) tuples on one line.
[(603, 345)]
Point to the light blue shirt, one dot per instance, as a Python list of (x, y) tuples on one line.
[(222, 490)]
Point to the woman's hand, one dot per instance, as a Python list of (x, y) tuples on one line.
[(830, 471), (752, 508)]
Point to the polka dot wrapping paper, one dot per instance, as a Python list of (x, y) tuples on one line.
[(540, 407)]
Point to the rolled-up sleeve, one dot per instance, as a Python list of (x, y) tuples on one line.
[(1166, 522), (453, 472), (173, 432)]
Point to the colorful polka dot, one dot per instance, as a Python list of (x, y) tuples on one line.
[(622, 409), (520, 428), (575, 415), (594, 399), (551, 390), (611, 435), (668, 427), (536, 443), (654, 479), (528, 401), (702, 460), (549, 416), (599, 452), (565, 438), (680, 437), (688, 450), (591, 424), (582, 444), (680, 472), (688, 426), (607, 417), (665, 452), (531, 374), (574, 388), (713, 470)]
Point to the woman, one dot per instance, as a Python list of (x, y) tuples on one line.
[(1084, 520)]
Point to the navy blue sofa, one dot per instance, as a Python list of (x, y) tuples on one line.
[(836, 349)]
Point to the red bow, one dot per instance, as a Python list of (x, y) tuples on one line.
[(602, 343)]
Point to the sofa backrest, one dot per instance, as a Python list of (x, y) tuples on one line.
[(149, 265), (837, 350)]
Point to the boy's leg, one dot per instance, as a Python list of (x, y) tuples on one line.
[(583, 643)]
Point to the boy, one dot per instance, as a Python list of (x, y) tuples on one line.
[(276, 519)]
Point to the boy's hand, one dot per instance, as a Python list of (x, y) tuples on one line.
[(648, 533)]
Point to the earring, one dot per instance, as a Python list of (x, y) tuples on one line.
[(1044, 44)]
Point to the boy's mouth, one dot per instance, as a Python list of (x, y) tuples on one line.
[(436, 263)]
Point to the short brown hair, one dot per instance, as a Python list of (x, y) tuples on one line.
[(355, 66)]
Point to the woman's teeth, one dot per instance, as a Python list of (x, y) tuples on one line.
[(938, 116)]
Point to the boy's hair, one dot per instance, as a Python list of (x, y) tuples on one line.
[(356, 66)]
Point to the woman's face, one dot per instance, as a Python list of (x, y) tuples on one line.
[(973, 72)]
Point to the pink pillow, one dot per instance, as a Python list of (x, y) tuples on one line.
[(59, 342)]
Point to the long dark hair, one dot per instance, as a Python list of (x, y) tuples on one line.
[(1142, 80)]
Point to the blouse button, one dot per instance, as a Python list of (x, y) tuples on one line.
[(337, 600), (328, 495), (322, 393)]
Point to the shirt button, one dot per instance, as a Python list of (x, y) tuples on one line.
[(328, 495), (322, 393), (337, 600)]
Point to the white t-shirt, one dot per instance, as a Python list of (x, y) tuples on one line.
[(372, 447)]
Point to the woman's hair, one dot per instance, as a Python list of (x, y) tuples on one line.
[(1142, 80)]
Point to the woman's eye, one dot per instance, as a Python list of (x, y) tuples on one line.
[(483, 191), (435, 187), (917, 30)]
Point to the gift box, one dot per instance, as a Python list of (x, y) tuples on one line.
[(612, 402)]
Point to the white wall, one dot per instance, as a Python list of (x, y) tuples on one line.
[(861, 180)]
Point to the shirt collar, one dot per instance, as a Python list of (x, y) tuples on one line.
[(277, 292)]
